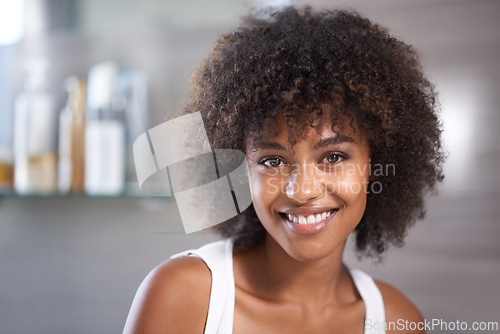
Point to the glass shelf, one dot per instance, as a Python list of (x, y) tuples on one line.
[(124, 195)]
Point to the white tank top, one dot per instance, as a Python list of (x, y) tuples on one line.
[(218, 257)]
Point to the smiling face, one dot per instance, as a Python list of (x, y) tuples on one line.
[(310, 196)]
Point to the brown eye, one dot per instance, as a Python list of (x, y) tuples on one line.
[(333, 158), (272, 162)]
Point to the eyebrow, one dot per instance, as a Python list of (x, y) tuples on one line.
[(269, 145), (322, 143), (334, 140)]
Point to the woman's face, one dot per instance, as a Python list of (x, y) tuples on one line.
[(311, 196)]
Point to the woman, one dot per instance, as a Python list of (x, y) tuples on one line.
[(341, 136)]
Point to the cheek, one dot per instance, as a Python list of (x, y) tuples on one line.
[(350, 184), (264, 188), (264, 191)]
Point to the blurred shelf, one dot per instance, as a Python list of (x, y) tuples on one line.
[(126, 195)]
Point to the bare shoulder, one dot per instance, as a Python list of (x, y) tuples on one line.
[(173, 298), (399, 310)]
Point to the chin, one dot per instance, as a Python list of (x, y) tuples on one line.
[(312, 249)]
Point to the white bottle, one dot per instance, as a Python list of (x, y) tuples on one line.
[(35, 132), (104, 134), (133, 86)]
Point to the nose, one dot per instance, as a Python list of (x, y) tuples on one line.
[(304, 184)]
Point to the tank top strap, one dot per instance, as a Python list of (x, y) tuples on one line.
[(218, 256), (374, 304)]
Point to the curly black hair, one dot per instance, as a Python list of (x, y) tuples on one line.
[(290, 61)]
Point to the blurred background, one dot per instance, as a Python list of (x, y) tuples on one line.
[(73, 250)]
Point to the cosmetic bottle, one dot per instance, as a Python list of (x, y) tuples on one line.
[(104, 133), (35, 133), (132, 85), (72, 138), (6, 171)]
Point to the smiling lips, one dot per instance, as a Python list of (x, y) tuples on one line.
[(311, 219), (308, 224)]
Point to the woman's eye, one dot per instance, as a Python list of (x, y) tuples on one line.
[(333, 158), (272, 162)]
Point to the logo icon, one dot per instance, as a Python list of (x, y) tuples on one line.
[(209, 186)]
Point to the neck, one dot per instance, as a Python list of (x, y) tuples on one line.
[(279, 276)]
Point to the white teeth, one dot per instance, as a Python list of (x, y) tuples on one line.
[(312, 219)]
